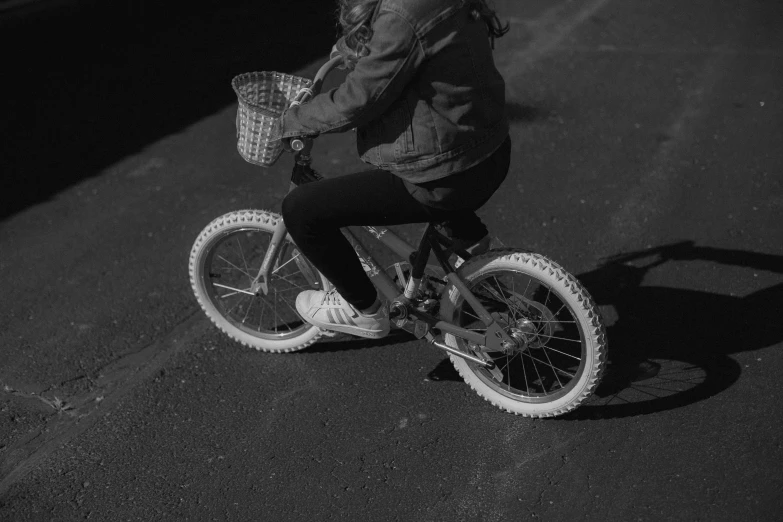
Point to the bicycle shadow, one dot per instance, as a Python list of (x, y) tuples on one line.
[(670, 347), (344, 342)]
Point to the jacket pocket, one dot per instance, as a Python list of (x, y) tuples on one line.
[(401, 127)]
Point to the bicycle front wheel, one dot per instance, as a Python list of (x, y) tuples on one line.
[(224, 262), (559, 349)]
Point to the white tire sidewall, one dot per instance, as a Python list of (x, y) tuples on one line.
[(227, 223), (548, 271)]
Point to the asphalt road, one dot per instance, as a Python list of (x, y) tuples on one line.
[(647, 160)]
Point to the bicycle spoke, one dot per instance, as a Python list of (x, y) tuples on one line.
[(261, 319), (231, 257), (540, 379), (276, 316), (470, 314), (563, 339), (546, 313), (553, 367), (548, 294), (556, 322), (270, 307), (291, 307), (282, 278), (495, 294), (512, 367), (508, 384), (562, 353), (508, 361), (294, 258), (500, 372), (505, 299), (558, 313), (565, 373), (236, 290), (236, 267), (294, 287), (247, 311), (524, 374), (231, 309), (242, 255)]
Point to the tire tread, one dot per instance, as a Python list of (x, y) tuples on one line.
[(545, 266), (248, 216)]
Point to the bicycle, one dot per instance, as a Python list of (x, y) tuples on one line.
[(521, 331)]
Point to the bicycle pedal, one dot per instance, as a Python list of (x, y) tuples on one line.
[(329, 333), (419, 329)]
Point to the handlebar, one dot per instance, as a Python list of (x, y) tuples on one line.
[(298, 144)]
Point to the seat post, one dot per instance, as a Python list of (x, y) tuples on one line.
[(421, 256), (434, 240)]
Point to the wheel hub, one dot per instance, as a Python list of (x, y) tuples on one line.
[(526, 335)]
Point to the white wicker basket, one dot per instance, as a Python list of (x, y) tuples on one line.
[(263, 96)]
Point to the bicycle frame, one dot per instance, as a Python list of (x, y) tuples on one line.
[(402, 310)]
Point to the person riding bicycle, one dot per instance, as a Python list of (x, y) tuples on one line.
[(428, 106)]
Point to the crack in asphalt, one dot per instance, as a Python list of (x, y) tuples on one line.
[(82, 411), (58, 405)]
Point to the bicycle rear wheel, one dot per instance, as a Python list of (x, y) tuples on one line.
[(224, 262), (560, 340)]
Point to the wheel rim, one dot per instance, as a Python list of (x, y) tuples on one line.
[(232, 262), (549, 357)]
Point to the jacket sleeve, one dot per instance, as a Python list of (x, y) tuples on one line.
[(368, 90)]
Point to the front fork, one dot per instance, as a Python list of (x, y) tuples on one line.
[(302, 173), (260, 282)]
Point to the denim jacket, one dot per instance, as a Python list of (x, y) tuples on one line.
[(426, 102)]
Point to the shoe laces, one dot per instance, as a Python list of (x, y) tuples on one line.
[(331, 297)]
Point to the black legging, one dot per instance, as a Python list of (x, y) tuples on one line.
[(315, 212)]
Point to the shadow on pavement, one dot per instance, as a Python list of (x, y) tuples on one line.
[(87, 83), (520, 113), (343, 342), (670, 347)]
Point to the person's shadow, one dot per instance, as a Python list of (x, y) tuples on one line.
[(670, 347)]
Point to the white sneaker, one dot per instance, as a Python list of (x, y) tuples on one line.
[(328, 310)]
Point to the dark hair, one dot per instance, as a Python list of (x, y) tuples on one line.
[(355, 17)]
